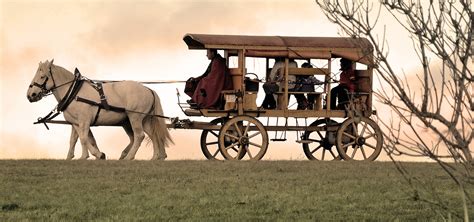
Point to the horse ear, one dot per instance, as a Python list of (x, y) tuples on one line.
[(76, 72), (52, 60)]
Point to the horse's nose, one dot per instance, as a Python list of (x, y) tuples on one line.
[(33, 95)]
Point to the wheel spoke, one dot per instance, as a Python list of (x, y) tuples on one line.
[(214, 133), (353, 153), (324, 152), (348, 144), (354, 127), (369, 136), (363, 129), (254, 135), (320, 135), (248, 151), (349, 135), (254, 144), (235, 149), (232, 146), (316, 149), (370, 145), (212, 143), (232, 136), (246, 129), (215, 153), (332, 153), (363, 152), (237, 128)]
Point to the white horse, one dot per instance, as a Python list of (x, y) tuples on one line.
[(140, 104)]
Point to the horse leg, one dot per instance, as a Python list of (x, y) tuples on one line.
[(129, 131), (136, 121), (84, 130), (94, 144), (159, 152), (72, 144)]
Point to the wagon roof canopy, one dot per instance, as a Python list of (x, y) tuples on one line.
[(356, 49)]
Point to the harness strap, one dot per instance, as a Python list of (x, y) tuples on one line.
[(100, 105), (71, 92), (51, 115), (103, 98), (96, 116)]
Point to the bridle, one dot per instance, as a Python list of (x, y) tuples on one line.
[(44, 90)]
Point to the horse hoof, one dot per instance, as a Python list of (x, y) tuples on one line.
[(102, 156)]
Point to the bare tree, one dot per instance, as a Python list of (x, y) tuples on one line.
[(434, 120)]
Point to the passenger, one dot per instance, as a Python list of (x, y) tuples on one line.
[(346, 84), (207, 93), (306, 83), (274, 80)]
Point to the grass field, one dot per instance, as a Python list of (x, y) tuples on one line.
[(214, 191)]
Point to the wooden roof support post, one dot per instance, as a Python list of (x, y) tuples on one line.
[(285, 98), (226, 56), (267, 73), (240, 105), (327, 89)]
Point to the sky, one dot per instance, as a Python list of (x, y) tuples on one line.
[(134, 40)]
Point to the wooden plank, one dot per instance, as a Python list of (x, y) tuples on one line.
[(308, 71)]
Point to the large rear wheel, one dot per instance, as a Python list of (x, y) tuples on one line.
[(243, 135), (359, 138)]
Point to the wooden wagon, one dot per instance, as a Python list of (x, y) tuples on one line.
[(240, 128)]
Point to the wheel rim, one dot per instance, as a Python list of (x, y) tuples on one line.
[(210, 141), (243, 137), (359, 139), (321, 148)]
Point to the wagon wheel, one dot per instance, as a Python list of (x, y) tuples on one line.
[(322, 145), (210, 143), (365, 141), (246, 135)]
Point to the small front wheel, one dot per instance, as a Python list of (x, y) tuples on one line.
[(210, 143), (243, 135)]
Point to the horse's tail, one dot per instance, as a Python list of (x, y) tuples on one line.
[(158, 123)]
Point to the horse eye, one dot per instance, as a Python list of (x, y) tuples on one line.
[(42, 77), (31, 86)]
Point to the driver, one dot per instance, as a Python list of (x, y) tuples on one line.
[(207, 93)]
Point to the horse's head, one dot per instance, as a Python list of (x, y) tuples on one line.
[(42, 82)]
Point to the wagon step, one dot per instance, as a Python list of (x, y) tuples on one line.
[(278, 140), (304, 141)]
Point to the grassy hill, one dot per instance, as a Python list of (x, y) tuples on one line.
[(216, 191)]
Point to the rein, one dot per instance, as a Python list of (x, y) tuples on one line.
[(71, 95)]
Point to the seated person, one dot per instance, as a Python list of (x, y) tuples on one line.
[(273, 82), (208, 86), (305, 83), (346, 84)]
